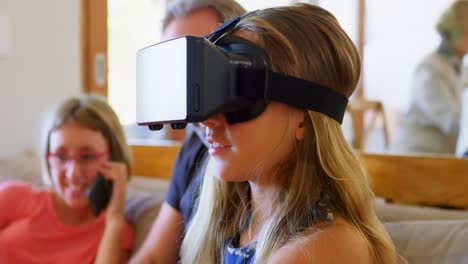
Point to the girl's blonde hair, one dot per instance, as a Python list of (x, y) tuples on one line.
[(453, 23), (322, 172), (93, 112)]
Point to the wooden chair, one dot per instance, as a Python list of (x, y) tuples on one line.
[(358, 109)]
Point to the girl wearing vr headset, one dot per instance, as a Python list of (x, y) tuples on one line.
[(285, 187)]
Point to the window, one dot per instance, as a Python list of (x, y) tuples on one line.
[(132, 25), (398, 35)]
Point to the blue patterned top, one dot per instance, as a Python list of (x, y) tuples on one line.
[(242, 255)]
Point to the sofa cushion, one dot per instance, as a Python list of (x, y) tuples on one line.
[(22, 168), (144, 199), (141, 211), (421, 242), (388, 212)]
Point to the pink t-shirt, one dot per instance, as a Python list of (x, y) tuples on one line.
[(31, 232)]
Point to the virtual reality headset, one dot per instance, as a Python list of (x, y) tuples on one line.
[(189, 79)]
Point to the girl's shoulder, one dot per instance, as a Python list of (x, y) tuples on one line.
[(334, 242)]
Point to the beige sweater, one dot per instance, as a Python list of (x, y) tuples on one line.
[(432, 121)]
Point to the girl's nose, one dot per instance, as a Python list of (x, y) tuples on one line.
[(214, 121), (72, 170)]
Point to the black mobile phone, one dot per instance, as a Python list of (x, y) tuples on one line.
[(99, 194)]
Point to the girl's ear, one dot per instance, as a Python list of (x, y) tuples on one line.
[(300, 129)]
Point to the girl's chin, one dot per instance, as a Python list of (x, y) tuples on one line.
[(222, 174), (75, 202), (221, 178), (78, 204), (227, 177), (228, 174)]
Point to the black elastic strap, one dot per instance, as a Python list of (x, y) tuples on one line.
[(293, 91), (225, 27)]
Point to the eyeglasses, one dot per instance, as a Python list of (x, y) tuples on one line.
[(84, 160)]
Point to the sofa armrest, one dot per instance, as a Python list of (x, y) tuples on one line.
[(144, 199)]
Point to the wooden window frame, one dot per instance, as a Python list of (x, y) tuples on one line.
[(94, 46)]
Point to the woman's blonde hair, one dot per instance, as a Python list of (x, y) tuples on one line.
[(322, 172), (454, 21), (93, 112)]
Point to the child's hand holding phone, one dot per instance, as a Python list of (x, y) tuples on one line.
[(109, 189)]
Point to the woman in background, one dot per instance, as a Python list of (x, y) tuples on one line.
[(83, 138), (285, 187), (432, 121)]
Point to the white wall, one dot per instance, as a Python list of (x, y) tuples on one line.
[(399, 34), (43, 65)]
